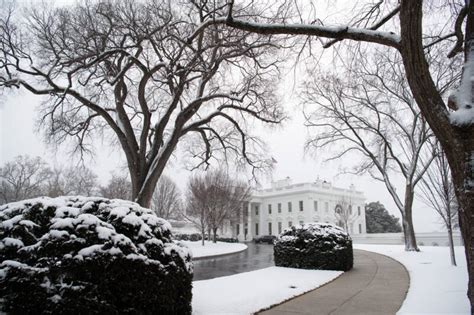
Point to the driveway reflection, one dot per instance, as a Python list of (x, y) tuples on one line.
[(257, 256)]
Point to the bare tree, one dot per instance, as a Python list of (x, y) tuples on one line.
[(166, 201), (228, 196), (197, 206), (220, 197), (23, 178), (371, 113), (345, 214), (78, 180), (402, 26), (55, 185), (150, 73), (437, 192), (118, 187)]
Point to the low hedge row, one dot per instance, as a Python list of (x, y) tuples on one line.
[(194, 237)]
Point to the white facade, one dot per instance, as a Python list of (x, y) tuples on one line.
[(285, 204)]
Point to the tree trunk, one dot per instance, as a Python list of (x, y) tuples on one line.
[(147, 177), (451, 245), (466, 222), (203, 234), (214, 232), (408, 229), (143, 192)]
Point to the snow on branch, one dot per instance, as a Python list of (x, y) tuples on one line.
[(463, 99), (335, 32)]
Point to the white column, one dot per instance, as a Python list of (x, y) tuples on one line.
[(249, 223)]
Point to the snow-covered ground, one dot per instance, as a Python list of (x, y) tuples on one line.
[(436, 287), (212, 249), (249, 292)]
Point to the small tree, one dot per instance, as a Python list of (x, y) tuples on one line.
[(437, 192), (229, 195), (23, 178), (215, 198), (197, 207), (63, 181), (166, 201), (345, 214), (55, 184), (379, 220), (118, 187)]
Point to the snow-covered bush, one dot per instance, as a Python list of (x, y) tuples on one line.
[(193, 237), (90, 255), (314, 246)]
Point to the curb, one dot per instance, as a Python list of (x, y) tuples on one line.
[(219, 255)]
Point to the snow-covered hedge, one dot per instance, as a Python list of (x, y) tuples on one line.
[(314, 246), (90, 255)]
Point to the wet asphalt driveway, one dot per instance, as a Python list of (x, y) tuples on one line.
[(257, 256)]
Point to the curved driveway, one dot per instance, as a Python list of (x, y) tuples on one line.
[(257, 256), (377, 285)]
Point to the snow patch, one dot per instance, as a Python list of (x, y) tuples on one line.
[(212, 249), (436, 287), (247, 293)]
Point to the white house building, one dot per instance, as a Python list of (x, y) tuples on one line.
[(272, 210)]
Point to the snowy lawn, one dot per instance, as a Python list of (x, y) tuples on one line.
[(435, 286), (249, 292), (213, 249)]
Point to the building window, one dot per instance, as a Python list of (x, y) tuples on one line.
[(315, 205), (360, 228), (301, 205), (256, 210), (279, 208), (269, 228), (301, 222), (238, 229), (279, 227), (290, 224), (358, 210), (289, 206), (326, 207), (269, 209), (256, 228)]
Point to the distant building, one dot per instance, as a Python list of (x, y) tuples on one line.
[(272, 210)]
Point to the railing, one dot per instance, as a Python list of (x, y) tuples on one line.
[(296, 187)]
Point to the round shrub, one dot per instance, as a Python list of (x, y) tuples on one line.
[(89, 256), (314, 246)]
